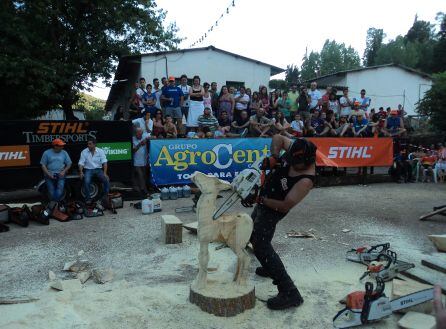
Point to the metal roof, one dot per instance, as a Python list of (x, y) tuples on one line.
[(274, 69), (406, 68)]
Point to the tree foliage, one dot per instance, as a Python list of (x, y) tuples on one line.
[(92, 107), (439, 49), (374, 42), (433, 102), (333, 57), (292, 74), (278, 84), (52, 50)]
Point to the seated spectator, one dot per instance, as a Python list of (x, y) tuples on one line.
[(207, 124), (119, 114), (284, 105), (427, 163), (170, 129), (158, 125), (239, 127), (224, 124), (382, 114), (329, 124), (316, 125), (260, 125), (342, 126), (360, 125), (297, 126), (273, 104), (281, 125), (254, 104), (375, 124), (440, 166), (394, 125), (145, 123)]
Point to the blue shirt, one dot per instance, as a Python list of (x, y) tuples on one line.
[(358, 125), (317, 124), (173, 92), (146, 97), (140, 156), (55, 162)]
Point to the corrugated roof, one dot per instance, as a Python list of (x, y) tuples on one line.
[(406, 68), (274, 69)]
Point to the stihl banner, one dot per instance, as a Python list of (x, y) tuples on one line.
[(354, 152)]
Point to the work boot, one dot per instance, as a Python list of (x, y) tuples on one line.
[(285, 299), (261, 271)]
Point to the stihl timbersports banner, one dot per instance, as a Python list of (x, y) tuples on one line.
[(173, 161), (354, 152)]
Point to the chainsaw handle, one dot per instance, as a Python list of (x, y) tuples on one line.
[(386, 257), (380, 247), (392, 254)]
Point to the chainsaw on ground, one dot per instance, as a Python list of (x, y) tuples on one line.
[(386, 266), (242, 185), (368, 306), (365, 255)]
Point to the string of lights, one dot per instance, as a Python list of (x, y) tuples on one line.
[(213, 26)]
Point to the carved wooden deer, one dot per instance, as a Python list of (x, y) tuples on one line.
[(233, 229)]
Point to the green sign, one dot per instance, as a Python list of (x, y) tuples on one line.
[(117, 151)]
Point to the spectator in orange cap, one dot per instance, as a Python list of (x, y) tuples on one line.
[(55, 164), (394, 125)]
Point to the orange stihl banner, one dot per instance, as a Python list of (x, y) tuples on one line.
[(354, 152), (17, 155)]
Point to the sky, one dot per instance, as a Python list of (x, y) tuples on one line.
[(279, 32)]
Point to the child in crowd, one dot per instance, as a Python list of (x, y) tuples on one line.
[(224, 124), (169, 128), (297, 126)]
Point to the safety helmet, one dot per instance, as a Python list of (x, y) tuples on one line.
[(301, 151)]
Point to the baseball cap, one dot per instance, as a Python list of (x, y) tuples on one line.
[(58, 142), (171, 78)]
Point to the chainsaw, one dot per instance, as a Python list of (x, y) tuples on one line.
[(386, 266), (365, 255), (373, 305), (242, 185)]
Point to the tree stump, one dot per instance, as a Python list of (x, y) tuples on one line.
[(172, 229), (223, 298)]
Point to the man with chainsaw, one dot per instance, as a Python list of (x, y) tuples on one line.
[(290, 179)]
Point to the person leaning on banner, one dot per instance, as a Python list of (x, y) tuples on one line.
[(140, 157), (394, 125), (93, 163), (55, 164), (289, 180), (207, 124)]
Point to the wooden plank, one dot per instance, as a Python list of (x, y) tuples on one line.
[(427, 276), (192, 227), (434, 264), (433, 213)]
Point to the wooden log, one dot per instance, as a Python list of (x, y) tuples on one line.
[(172, 229), (225, 304), (434, 264), (433, 213)]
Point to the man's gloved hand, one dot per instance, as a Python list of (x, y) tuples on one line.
[(251, 199), (269, 163)]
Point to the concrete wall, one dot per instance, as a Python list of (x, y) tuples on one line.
[(387, 85), (209, 65)]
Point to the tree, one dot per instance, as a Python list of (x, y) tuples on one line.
[(421, 31), (373, 42), (292, 74), (433, 102), (92, 107), (52, 50), (310, 66), (278, 84), (336, 57), (398, 51), (439, 49)]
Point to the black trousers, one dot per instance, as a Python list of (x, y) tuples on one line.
[(265, 221)]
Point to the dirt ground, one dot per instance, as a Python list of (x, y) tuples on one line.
[(151, 280)]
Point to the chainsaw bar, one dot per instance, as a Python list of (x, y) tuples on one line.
[(389, 270)]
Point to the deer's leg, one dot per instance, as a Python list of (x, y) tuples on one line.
[(203, 258)]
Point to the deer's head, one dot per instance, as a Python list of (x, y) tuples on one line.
[(209, 183)]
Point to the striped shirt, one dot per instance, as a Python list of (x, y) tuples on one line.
[(211, 122)]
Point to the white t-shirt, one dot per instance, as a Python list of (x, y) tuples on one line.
[(158, 96), (140, 156), (297, 126), (140, 94), (315, 97), (240, 106), (141, 123), (92, 161), (345, 111), (186, 91)]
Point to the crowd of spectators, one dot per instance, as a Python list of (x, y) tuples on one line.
[(201, 110)]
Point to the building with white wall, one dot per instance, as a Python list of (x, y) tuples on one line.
[(210, 63), (387, 85)]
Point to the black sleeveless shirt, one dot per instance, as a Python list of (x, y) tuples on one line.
[(278, 183), (196, 98)]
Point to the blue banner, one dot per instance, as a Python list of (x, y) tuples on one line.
[(172, 161)]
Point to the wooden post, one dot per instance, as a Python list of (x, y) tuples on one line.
[(172, 229)]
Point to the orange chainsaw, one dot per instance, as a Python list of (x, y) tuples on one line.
[(386, 266)]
